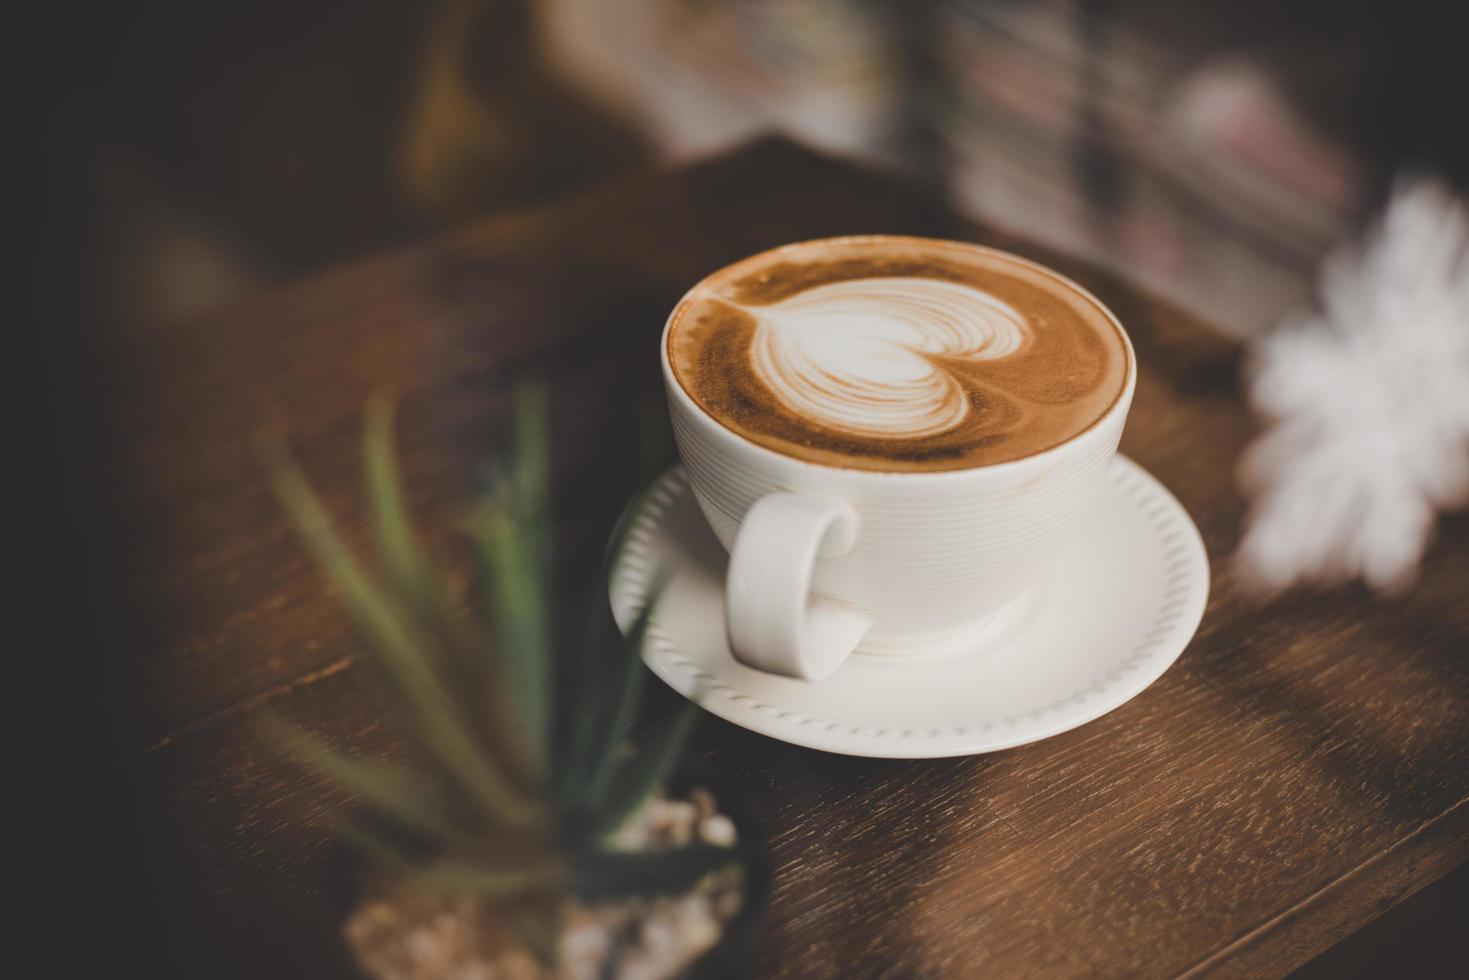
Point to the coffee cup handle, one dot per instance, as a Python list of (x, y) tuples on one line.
[(773, 622)]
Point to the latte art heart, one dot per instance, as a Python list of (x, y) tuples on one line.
[(896, 354), (860, 356)]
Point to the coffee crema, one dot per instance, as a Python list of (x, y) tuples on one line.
[(892, 353)]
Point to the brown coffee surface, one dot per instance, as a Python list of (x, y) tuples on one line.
[(891, 353)]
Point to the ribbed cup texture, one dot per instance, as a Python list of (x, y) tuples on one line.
[(937, 553)]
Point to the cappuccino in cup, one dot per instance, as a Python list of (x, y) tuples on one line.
[(896, 354), (892, 436)]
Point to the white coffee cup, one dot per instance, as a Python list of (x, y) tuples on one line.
[(826, 561)]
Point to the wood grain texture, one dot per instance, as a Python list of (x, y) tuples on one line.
[(1303, 766)]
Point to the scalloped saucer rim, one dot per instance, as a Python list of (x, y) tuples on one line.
[(1110, 616)]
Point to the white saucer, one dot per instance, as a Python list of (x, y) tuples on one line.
[(1113, 612)]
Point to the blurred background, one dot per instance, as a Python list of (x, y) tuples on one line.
[(1212, 150)]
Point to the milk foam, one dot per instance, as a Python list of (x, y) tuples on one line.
[(860, 356), (899, 354)]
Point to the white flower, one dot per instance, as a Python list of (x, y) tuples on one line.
[(1369, 400)]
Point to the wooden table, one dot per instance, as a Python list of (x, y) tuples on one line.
[(1304, 765)]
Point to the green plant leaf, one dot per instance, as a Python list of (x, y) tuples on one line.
[(603, 875), (638, 777), (453, 874), (397, 541), (384, 792), (531, 473), (400, 650), (602, 720), (623, 687), (516, 613), (579, 699), (466, 876), (463, 659), (511, 529), (409, 569), (531, 500), (391, 856)]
